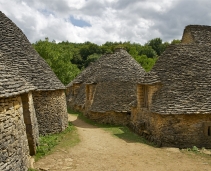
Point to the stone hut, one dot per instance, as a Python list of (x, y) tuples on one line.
[(49, 96), (18, 123), (75, 91), (174, 109), (107, 88)]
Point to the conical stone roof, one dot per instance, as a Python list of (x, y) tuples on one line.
[(115, 76), (22, 59), (112, 67), (185, 74), (119, 66), (199, 34), (11, 84)]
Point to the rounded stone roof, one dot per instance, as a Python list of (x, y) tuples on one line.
[(116, 76), (21, 58), (185, 73), (200, 34), (118, 66), (12, 84)]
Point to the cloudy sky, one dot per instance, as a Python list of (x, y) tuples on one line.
[(99, 21)]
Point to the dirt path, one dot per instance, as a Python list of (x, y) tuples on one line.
[(100, 151)]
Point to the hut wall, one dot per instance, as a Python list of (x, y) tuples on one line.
[(140, 114), (75, 88), (187, 37), (13, 139), (182, 130), (151, 90), (51, 111), (71, 93), (30, 121), (116, 118), (90, 90)]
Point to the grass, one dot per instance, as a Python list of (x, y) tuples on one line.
[(30, 169), (122, 132), (67, 138), (195, 152), (73, 112)]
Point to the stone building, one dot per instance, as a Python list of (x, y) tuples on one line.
[(18, 124), (105, 90), (173, 103), (49, 96), (32, 99)]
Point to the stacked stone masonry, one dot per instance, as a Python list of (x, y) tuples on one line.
[(24, 74), (178, 112), (14, 150), (105, 90), (50, 107), (30, 120), (171, 104)]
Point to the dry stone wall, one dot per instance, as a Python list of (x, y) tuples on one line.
[(183, 130), (76, 97), (51, 111), (14, 151), (116, 118), (30, 121), (173, 130)]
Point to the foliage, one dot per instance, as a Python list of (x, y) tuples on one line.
[(58, 57), (66, 138), (193, 149), (67, 59), (175, 41), (158, 45)]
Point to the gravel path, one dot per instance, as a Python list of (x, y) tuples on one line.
[(100, 151)]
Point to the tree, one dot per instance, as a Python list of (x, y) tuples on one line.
[(91, 58), (58, 57), (175, 41), (157, 45), (148, 51)]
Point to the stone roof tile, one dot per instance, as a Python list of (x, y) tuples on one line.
[(116, 76), (185, 73), (21, 58), (12, 84)]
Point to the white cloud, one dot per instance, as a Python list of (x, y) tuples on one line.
[(110, 20)]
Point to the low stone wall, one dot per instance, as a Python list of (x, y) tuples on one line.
[(180, 131), (14, 151), (51, 111), (116, 118)]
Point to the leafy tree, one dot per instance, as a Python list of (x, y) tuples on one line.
[(58, 58), (158, 45), (175, 41), (67, 59), (145, 62), (148, 51), (91, 58)]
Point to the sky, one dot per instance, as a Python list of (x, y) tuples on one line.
[(99, 21)]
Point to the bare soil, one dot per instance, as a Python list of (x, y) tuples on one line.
[(100, 151)]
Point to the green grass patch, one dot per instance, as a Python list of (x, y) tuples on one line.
[(195, 153), (119, 131), (70, 111), (30, 169), (67, 138)]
